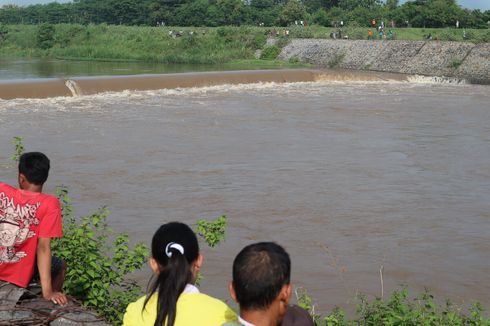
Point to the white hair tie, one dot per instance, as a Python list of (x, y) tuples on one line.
[(173, 245)]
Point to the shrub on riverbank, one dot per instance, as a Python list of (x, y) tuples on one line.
[(165, 45), (400, 310)]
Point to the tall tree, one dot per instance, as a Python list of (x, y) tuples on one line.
[(391, 4), (293, 10)]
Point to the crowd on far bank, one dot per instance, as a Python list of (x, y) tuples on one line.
[(260, 277), (377, 31)]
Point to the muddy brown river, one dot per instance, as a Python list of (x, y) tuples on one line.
[(348, 176)]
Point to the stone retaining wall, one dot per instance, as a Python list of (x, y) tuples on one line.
[(431, 58)]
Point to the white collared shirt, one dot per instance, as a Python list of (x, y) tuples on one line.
[(190, 288), (243, 322)]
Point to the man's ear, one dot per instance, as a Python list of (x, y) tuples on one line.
[(285, 294), (231, 289), (155, 267)]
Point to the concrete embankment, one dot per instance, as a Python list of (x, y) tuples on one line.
[(432, 58)]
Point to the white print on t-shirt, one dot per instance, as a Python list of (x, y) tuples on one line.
[(15, 221)]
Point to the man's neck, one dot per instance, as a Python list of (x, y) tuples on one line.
[(33, 188), (259, 317)]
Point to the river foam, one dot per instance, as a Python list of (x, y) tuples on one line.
[(202, 82)]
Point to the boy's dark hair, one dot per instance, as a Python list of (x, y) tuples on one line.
[(35, 167), (260, 271)]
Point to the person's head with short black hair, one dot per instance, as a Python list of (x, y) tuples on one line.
[(33, 169), (261, 279)]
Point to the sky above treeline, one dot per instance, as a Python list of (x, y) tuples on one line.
[(471, 4)]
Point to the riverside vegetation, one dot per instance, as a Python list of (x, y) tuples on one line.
[(98, 275), (418, 13), (221, 45)]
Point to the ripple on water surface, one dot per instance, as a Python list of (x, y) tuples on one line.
[(346, 175)]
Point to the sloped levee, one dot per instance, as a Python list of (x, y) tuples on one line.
[(93, 85), (443, 59)]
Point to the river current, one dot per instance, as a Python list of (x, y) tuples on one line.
[(347, 176)]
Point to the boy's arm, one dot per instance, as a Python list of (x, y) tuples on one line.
[(44, 266)]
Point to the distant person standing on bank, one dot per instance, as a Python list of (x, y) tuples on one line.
[(370, 35)]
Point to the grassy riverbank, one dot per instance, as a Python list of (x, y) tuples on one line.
[(223, 45), (194, 45)]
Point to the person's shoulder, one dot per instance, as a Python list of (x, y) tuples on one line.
[(6, 187), (138, 303), (133, 315), (297, 316), (49, 198), (137, 306), (207, 305), (50, 202), (204, 299)]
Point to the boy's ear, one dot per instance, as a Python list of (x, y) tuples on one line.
[(22, 181), (231, 289)]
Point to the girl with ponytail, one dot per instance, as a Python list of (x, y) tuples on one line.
[(172, 298)]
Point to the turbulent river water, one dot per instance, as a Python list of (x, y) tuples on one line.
[(348, 176)]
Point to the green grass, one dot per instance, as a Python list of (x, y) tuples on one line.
[(264, 64), (411, 34), (219, 45), (400, 309)]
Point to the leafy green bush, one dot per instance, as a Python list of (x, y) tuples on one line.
[(270, 52), (95, 276), (213, 232), (398, 310), (455, 63), (226, 33), (19, 148), (282, 41), (45, 36), (4, 30), (67, 34)]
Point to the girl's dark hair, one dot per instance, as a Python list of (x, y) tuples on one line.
[(175, 271)]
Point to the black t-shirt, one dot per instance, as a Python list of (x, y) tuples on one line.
[(297, 316)]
